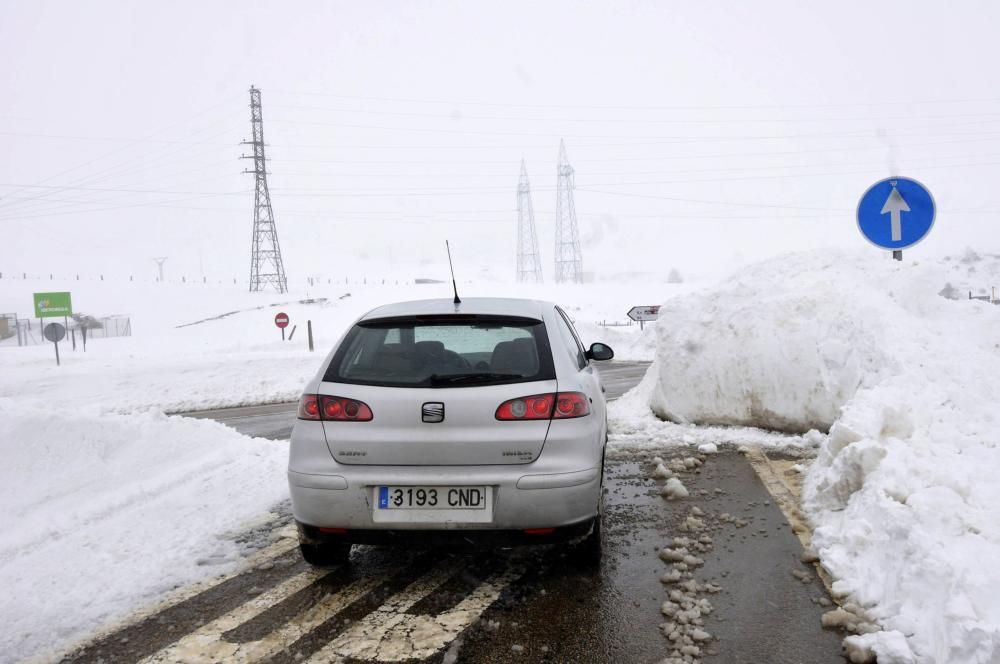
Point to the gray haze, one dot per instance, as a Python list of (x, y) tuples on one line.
[(703, 134)]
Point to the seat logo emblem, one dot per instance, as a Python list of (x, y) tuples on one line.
[(433, 412)]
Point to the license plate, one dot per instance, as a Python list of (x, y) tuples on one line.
[(432, 497)]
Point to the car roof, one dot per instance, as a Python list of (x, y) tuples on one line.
[(496, 306)]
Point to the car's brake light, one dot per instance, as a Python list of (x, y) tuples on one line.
[(561, 405), (571, 404), (333, 409), (536, 407), (309, 407)]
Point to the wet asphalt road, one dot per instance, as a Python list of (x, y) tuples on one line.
[(534, 604)]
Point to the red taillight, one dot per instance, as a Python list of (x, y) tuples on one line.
[(539, 531), (309, 407), (561, 405), (339, 409), (537, 407), (571, 404), (333, 409), (333, 531)]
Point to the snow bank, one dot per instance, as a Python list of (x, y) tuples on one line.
[(104, 513), (632, 425), (725, 354), (904, 493)]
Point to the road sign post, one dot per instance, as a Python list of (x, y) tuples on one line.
[(281, 322), (642, 314), (55, 332), (896, 213)]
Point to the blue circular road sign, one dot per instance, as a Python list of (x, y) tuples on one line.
[(896, 213)]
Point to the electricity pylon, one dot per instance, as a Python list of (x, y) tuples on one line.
[(159, 264), (266, 266), (569, 259), (529, 263)]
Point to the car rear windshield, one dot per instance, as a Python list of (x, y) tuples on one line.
[(443, 351)]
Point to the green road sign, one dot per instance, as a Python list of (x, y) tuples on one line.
[(52, 305)]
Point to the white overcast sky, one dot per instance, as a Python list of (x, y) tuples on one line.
[(702, 133)]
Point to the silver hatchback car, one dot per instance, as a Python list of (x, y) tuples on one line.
[(435, 420)]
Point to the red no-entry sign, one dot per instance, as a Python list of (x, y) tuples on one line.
[(281, 320)]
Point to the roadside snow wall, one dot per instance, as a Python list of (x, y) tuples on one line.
[(905, 492), (103, 513)]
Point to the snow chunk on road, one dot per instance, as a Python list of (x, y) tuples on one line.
[(104, 513), (674, 489), (884, 647)]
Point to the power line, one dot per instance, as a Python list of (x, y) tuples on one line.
[(445, 116), (645, 107), (131, 143), (118, 207), (650, 140), (107, 139)]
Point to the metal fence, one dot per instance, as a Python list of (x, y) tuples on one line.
[(18, 331)]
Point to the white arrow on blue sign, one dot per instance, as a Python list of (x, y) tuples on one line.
[(896, 213)]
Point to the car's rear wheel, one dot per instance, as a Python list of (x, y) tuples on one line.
[(326, 554), (590, 549)]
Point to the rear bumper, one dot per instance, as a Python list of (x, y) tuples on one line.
[(521, 500), (451, 539)]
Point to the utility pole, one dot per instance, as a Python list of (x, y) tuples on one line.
[(529, 263), (159, 265), (569, 258), (266, 266)]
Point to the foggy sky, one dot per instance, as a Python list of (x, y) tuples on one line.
[(702, 134)]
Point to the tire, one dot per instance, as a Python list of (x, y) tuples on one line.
[(589, 550), (326, 555)]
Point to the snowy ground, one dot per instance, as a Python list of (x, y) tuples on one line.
[(107, 502), (240, 359), (105, 513), (903, 494)]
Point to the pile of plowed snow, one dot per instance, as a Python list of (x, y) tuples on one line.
[(103, 513), (904, 493)]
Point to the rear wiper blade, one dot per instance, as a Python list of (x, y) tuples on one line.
[(471, 377)]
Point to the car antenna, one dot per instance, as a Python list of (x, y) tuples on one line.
[(450, 265)]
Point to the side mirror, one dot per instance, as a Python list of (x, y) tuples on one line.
[(600, 352)]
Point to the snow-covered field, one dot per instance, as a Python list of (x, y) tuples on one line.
[(904, 494), (107, 503), (239, 358), (105, 512)]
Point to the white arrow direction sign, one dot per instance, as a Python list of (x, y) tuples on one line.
[(894, 205)]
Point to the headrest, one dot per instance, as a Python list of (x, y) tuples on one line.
[(518, 356)]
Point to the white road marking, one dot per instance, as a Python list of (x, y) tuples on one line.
[(305, 622), (206, 641), (286, 539), (388, 634)]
